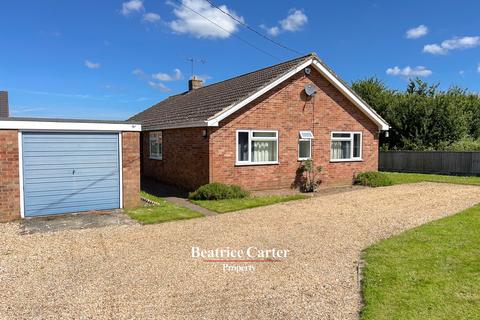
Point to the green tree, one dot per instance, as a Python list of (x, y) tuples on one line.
[(423, 117)]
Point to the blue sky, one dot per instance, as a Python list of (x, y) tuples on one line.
[(112, 59)]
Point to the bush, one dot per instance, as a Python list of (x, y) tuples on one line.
[(218, 191), (373, 179), (465, 144), (308, 176)]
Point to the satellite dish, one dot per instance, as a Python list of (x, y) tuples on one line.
[(310, 89)]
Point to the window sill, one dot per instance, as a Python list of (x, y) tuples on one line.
[(346, 160), (303, 159), (241, 164), (155, 158)]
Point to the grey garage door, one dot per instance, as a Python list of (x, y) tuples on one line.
[(70, 172)]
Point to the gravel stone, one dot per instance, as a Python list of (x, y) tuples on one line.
[(147, 272)]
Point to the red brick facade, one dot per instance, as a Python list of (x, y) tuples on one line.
[(191, 160), (184, 161), (9, 177), (9, 173)]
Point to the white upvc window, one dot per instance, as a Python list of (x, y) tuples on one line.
[(346, 146), (305, 145), (156, 149), (257, 147)]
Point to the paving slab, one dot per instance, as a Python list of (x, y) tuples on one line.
[(74, 221)]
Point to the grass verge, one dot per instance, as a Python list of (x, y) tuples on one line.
[(430, 272), (228, 205), (163, 212), (401, 178)]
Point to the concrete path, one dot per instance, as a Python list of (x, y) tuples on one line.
[(173, 194), (83, 220), (187, 204)]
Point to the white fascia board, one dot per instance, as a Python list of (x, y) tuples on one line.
[(351, 96), (214, 120), (69, 126)]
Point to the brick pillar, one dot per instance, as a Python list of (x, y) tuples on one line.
[(131, 169), (9, 176)]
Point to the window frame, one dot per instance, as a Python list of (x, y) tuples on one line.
[(351, 139), (251, 138), (151, 136), (310, 144)]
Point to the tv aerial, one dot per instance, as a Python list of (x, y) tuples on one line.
[(193, 61)]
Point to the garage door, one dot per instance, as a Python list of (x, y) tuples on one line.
[(70, 172)]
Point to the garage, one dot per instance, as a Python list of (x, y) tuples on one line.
[(68, 172), (58, 166)]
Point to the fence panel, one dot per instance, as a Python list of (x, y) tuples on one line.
[(440, 162)]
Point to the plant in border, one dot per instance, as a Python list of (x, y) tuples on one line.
[(373, 179), (218, 191), (308, 176)]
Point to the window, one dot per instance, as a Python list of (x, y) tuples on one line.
[(257, 147), (156, 145), (305, 145), (346, 146)]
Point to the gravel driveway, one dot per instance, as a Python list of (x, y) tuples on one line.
[(147, 272)]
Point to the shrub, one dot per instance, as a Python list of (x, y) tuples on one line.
[(218, 191), (308, 179), (373, 179)]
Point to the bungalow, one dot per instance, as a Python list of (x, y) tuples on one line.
[(254, 130)]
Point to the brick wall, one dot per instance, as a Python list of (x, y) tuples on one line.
[(131, 169), (9, 176), (185, 158), (288, 110)]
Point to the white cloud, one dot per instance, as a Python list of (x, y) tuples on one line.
[(188, 22), (204, 77), (177, 75), (273, 31), (434, 49), (408, 71), (159, 86), (417, 32), (138, 72), (132, 6), (92, 65), (478, 68), (151, 17), (452, 44), (295, 20)]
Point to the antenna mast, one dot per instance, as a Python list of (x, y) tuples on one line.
[(192, 64)]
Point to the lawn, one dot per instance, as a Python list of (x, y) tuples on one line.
[(401, 178), (228, 205), (163, 212), (430, 272)]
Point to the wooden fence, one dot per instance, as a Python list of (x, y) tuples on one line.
[(441, 162)]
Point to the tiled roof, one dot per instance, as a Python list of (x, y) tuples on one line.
[(193, 107)]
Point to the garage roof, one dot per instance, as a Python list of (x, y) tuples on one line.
[(68, 124)]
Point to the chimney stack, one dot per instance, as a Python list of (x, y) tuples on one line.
[(3, 104), (195, 83)]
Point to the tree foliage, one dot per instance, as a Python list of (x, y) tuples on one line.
[(423, 117)]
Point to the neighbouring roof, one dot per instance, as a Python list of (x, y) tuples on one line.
[(208, 105)]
